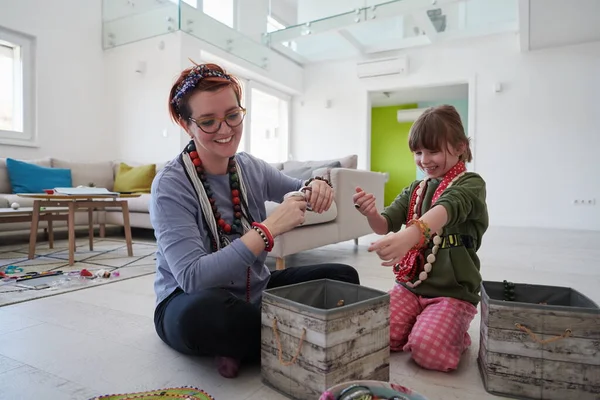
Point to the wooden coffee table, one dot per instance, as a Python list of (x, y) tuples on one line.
[(72, 204), (24, 214)]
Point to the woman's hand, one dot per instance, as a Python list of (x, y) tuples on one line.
[(286, 216), (319, 195), (394, 246), (365, 203)]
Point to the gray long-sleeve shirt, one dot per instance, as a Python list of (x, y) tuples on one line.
[(184, 257)]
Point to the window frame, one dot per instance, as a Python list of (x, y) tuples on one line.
[(28, 137), (250, 84)]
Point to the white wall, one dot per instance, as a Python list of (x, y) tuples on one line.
[(138, 101), (71, 114), (549, 100)]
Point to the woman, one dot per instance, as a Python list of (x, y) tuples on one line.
[(208, 213)]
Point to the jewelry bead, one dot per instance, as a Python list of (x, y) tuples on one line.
[(427, 267), (417, 283), (435, 250), (437, 240), (423, 276), (431, 258), (409, 284)]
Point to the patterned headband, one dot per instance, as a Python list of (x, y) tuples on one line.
[(191, 80)]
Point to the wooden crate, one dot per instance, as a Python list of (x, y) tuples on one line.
[(311, 342), (543, 345)]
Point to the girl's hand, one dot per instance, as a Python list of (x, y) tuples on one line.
[(365, 203), (319, 195), (394, 246), (287, 216)]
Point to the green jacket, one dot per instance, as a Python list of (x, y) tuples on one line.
[(455, 272)]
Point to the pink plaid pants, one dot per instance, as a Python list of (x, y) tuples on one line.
[(433, 329)]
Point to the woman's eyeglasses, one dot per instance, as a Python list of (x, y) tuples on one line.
[(213, 124)]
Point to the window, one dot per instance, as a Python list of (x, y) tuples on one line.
[(269, 126), (221, 10), (17, 113), (9, 80)]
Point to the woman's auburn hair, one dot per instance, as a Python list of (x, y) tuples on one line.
[(180, 113)]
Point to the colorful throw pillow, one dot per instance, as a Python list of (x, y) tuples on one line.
[(134, 179), (30, 178)]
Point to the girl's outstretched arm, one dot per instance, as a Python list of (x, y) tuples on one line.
[(457, 204)]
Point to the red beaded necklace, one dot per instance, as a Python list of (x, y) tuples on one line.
[(236, 226), (234, 183), (406, 269)]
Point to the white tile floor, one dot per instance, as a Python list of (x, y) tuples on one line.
[(102, 340)]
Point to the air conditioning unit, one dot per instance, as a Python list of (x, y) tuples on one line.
[(410, 115), (382, 67)]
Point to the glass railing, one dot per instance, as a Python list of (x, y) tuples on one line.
[(125, 21), (311, 30), (362, 27)]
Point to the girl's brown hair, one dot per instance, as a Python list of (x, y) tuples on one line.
[(207, 78), (436, 129)]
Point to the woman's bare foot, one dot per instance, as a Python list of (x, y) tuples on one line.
[(228, 367)]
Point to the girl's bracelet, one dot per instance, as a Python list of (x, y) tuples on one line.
[(425, 232)]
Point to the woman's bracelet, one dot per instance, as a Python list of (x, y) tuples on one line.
[(318, 178), (425, 232), (265, 234)]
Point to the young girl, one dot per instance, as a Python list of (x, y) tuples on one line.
[(434, 258)]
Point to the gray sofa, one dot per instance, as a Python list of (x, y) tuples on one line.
[(342, 222)]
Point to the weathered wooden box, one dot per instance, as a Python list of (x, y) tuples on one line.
[(543, 345), (311, 341)]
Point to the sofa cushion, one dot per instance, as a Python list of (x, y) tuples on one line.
[(311, 218), (307, 171), (345, 162), (117, 165), (277, 165), (135, 179), (30, 178), (22, 201), (5, 181), (98, 173), (139, 204)]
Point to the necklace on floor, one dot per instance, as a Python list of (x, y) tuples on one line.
[(406, 269), (223, 227)]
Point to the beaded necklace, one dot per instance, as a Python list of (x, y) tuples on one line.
[(223, 227), (406, 269)]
